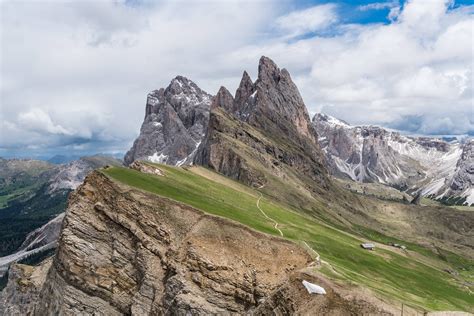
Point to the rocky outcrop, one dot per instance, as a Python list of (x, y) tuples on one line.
[(22, 292), (264, 130), (122, 251), (293, 298), (418, 165), (146, 168), (175, 122)]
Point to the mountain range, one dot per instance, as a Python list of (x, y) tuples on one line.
[(229, 206), (431, 167)]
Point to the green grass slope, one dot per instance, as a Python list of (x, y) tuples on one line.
[(413, 277)]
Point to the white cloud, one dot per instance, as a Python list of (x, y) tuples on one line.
[(76, 74), (309, 20), (379, 5), (420, 65), (39, 121)]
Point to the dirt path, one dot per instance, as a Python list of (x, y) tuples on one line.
[(264, 214), (318, 257)]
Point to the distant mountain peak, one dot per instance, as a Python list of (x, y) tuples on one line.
[(244, 91), (182, 84)]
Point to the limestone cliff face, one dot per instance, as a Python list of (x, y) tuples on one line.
[(122, 251), (265, 128)]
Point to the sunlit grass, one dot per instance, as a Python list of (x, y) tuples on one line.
[(386, 272)]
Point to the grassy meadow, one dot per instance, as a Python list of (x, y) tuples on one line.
[(400, 276)]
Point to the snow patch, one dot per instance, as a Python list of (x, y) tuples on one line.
[(469, 197), (158, 158), (152, 100), (181, 162)]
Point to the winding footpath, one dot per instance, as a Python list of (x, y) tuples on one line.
[(318, 257), (264, 214)]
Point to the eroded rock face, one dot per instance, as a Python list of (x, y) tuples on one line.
[(69, 176), (122, 251), (270, 120), (175, 122)]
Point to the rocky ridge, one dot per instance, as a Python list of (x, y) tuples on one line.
[(264, 130), (184, 125), (123, 251), (429, 166)]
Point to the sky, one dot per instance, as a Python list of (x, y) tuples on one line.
[(75, 74)]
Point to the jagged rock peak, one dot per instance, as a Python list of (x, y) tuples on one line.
[(268, 70), (182, 84), (245, 89), (223, 99), (279, 100), (272, 106), (180, 90)]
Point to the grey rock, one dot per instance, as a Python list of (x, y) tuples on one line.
[(69, 176), (272, 106), (175, 123), (23, 289), (462, 182)]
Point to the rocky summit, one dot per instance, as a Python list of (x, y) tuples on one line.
[(176, 120), (265, 130)]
